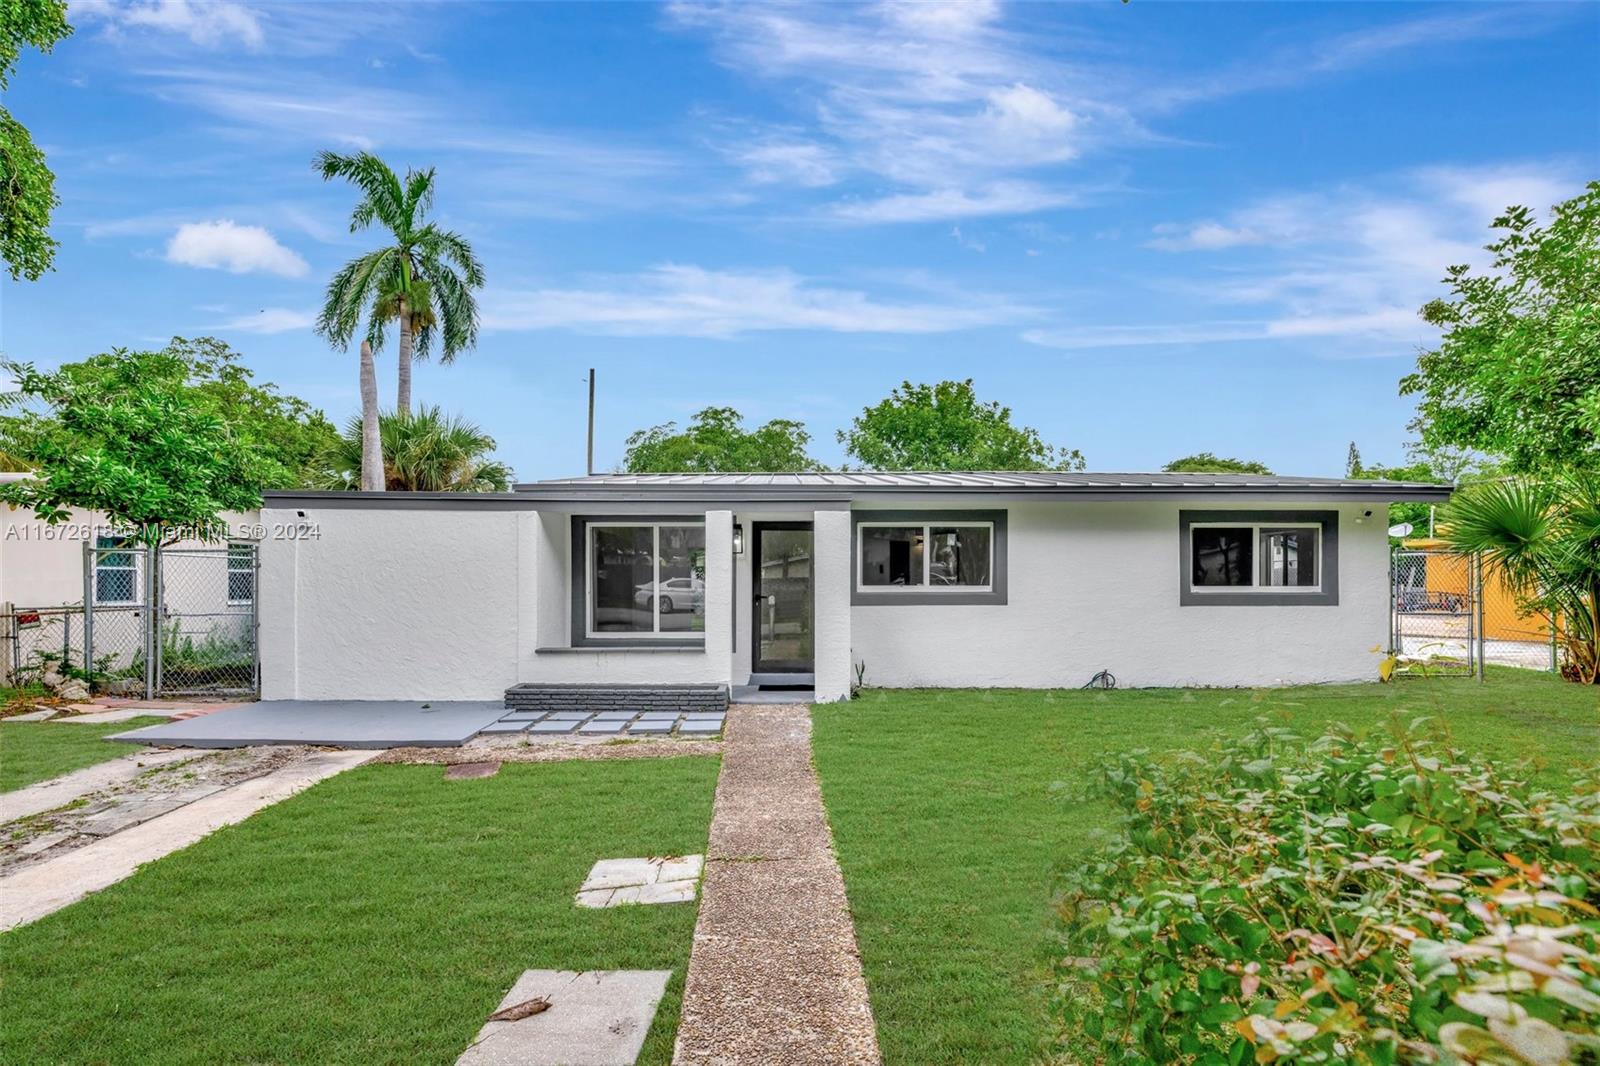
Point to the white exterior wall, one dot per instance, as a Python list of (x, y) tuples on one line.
[(1094, 586), (461, 603)]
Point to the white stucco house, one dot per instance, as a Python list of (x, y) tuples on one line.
[(800, 580)]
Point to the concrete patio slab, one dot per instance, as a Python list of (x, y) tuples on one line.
[(35, 891), (48, 795), (596, 1018), (329, 723)]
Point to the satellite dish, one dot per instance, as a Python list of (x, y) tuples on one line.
[(1403, 529)]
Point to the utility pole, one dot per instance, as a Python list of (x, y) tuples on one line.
[(591, 421)]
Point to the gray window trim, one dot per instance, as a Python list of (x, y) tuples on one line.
[(578, 561), (1328, 596), (994, 596)]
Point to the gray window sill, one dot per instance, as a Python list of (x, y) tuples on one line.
[(625, 645)]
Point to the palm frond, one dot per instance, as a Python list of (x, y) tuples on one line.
[(456, 311), (428, 451), (383, 198), (419, 193), (349, 293)]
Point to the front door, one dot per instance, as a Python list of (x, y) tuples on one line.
[(781, 575)]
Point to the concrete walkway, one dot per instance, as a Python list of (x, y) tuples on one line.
[(35, 891), (48, 795), (774, 977)]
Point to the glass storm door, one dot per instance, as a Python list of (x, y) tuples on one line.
[(782, 608)]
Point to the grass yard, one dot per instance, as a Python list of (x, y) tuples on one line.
[(378, 917), (954, 817), (37, 751)]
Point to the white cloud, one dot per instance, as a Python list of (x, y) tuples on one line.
[(226, 245), (690, 301), (1002, 198), (271, 320), (208, 23), (796, 163), (936, 99)]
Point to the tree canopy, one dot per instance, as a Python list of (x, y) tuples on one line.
[(423, 280), (213, 379), (946, 427), (1208, 463), (1516, 373), (134, 440), (716, 441), (27, 187), (425, 451)]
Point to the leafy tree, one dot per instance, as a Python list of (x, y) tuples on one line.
[(131, 440), (1352, 462), (1543, 537), (214, 379), (946, 427), (1445, 466), (27, 187), (422, 282), (1208, 463), (716, 442), (427, 451), (1517, 371)]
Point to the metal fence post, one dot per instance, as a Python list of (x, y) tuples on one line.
[(152, 627), (88, 608), (1555, 659), (255, 616), (1478, 616)]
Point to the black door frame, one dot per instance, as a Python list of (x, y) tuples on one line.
[(756, 598)]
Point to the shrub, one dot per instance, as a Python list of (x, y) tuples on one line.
[(1344, 899)]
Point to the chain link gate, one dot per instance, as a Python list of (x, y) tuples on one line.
[(1451, 614), (171, 621)]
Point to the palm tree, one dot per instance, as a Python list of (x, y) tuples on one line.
[(371, 439), (1543, 537), (426, 274), (428, 451)]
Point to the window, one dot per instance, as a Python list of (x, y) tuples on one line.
[(116, 573), (1259, 557), (645, 579), (241, 573), (929, 557)]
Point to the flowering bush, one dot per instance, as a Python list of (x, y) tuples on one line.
[(1344, 899)]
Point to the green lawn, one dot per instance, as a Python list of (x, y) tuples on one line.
[(38, 751), (954, 817), (377, 917)]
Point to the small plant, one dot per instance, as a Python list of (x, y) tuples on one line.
[(861, 676), (1339, 900)]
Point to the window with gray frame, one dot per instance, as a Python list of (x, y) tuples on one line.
[(639, 580), (1259, 557), (951, 557)]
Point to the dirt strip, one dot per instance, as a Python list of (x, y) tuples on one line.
[(553, 749), (774, 976)]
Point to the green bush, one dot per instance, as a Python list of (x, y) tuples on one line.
[(1365, 900)]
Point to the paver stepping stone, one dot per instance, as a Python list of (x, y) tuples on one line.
[(471, 771), (33, 716), (48, 795), (651, 725), (616, 716), (595, 1018), (657, 716), (505, 727), (701, 725), (614, 882), (598, 726), (571, 716), (522, 716), (554, 725)]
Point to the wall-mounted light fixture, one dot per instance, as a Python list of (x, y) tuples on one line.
[(738, 538)]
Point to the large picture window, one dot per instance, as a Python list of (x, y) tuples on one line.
[(1259, 557), (929, 557), (645, 579)]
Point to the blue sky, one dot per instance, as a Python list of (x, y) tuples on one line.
[(1151, 228)]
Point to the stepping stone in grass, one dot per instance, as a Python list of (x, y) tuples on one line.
[(599, 1016), (470, 771), (615, 882)]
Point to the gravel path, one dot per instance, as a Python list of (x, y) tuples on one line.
[(774, 976)]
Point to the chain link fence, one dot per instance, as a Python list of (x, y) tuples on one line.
[(1453, 614), (167, 622)]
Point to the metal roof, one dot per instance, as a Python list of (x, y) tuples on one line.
[(850, 484)]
